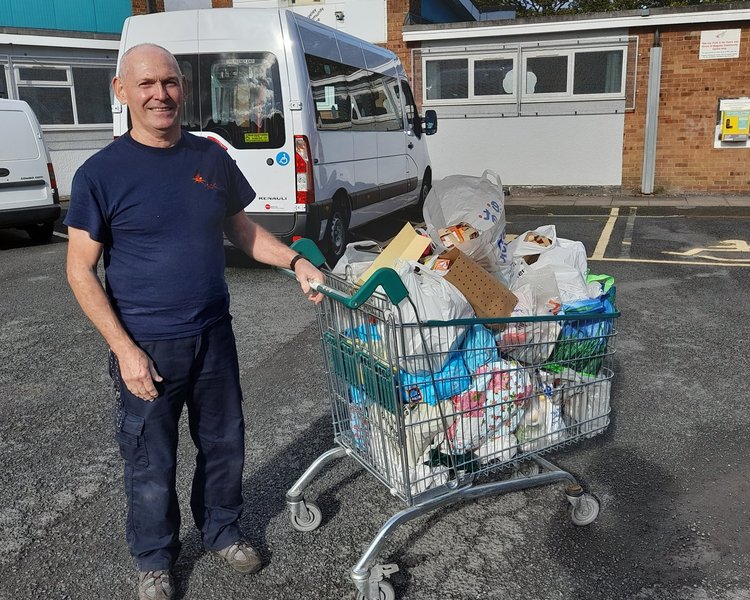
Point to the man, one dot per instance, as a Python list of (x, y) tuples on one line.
[(156, 203)]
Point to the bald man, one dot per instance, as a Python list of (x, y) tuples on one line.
[(156, 204)]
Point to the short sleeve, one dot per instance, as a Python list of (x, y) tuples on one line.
[(241, 194), (86, 209)]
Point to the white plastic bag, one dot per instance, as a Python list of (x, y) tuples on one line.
[(358, 256), (478, 203), (436, 299), (560, 251)]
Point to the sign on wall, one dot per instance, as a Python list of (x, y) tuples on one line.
[(720, 43)]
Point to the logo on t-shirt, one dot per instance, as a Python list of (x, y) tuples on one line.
[(198, 178)]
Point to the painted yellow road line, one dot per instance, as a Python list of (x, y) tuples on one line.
[(601, 245), (672, 262)]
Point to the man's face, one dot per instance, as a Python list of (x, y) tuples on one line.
[(152, 87)]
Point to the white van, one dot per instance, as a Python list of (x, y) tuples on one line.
[(322, 124), (28, 190)]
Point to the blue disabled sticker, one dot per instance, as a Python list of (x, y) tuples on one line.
[(282, 158)]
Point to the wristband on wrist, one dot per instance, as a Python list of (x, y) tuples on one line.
[(294, 261)]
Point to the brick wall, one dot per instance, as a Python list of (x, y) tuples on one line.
[(221, 3), (396, 11), (686, 160), (141, 7)]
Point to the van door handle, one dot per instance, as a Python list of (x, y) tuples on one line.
[(410, 145)]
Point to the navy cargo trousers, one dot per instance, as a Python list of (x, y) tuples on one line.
[(201, 372)]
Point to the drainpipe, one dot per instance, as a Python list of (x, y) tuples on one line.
[(652, 117)]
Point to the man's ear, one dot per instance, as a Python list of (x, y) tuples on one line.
[(119, 89)]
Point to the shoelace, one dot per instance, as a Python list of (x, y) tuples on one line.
[(236, 548), (155, 578)]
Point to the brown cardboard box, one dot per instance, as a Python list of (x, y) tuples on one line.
[(488, 297)]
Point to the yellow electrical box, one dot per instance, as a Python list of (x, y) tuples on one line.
[(735, 125)]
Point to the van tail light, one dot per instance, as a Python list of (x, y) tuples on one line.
[(53, 183), (303, 170)]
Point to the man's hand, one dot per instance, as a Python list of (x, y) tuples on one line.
[(307, 273), (138, 373)]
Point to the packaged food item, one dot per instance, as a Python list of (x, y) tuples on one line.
[(455, 235)]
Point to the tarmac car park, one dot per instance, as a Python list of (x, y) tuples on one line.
[(669, 472)]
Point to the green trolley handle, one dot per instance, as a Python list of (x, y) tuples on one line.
[(384, 277)]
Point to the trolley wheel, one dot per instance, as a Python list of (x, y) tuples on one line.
[(313, 521), (585, 511), (528, 469), (385, 589)]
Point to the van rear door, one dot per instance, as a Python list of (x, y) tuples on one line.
[(24, 178), (241, 100)]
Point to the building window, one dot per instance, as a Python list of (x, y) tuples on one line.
[(93, 94), (575, 74), (546, 75), (598, 72), (67, 95), (493, 77), (447, 79), (480, 78), (556, 73), (3, 83)]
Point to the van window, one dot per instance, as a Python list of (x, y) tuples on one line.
[(348, 97), (236, 95), (330, 89)]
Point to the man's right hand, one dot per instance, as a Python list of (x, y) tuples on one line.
[(138, 373)]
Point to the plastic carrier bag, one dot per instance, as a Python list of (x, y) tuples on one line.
[(582, 344), (358, 256), (435, 299), (540, 248), (468, 213)]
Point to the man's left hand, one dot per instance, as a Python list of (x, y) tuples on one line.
[(307, 273)]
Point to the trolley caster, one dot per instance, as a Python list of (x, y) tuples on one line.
[(373, 585), (584, 508), (306, 516), (385, 592), (526, 470)]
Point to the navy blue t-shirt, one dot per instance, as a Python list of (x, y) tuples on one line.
[(159, 212)]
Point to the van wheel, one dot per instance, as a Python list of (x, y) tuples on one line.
[(338, 236), (41, 232), (418, 209)]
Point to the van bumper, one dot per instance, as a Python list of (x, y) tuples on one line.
[(25, 217), (290, 226)]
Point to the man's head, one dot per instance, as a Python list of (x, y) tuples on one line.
[(149, 81)]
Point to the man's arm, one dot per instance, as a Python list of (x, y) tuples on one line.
[(136, 368), (261, 245)]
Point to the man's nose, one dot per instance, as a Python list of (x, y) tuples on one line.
[(160, 91)]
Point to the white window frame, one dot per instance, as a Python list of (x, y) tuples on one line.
[(568, 95), (68, 83), (471, 97)]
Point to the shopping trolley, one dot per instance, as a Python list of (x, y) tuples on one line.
[(441, 412)]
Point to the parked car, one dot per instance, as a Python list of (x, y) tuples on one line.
[(29, 198)]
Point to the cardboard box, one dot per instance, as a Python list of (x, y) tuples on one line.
[(407, 245), (488, 297)]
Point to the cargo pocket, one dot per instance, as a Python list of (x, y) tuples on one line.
[(131, 440)]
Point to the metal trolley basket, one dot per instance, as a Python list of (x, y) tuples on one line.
[(433, 410)]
